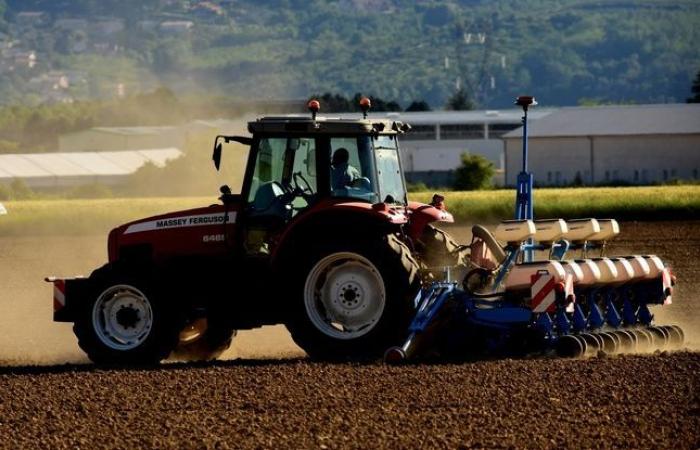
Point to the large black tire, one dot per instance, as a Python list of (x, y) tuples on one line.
[(398, 277), (438, 249), (213, 342), (158, 322)]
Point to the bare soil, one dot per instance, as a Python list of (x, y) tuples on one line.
[(272, 397)]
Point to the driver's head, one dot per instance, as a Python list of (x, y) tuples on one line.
[(340, 157)]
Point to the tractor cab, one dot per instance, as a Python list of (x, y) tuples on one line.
[(295, 162)]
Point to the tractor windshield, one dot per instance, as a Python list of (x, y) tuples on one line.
[(391, 185)]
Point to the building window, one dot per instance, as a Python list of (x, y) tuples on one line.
[(644, 175), (549, 177), (673, 173), (607, 175), (665, 175), (636, 175), (557, 176), (695, 173), (615, 175), (497, 130), (462, 131), (420, 133)]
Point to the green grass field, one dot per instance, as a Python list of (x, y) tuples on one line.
[(58, 217)]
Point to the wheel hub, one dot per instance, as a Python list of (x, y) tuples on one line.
[(345, 295), (350, 295), (122, 317), (127, 316)]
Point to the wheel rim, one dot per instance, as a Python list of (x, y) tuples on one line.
[(344, 295), (122, 317)]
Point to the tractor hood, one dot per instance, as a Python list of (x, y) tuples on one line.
[(174, 232)]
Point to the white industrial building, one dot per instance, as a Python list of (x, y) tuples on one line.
[(636, 144), (52, 170), (432, 150)]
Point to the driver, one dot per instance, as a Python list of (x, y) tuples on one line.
[(342, 173)]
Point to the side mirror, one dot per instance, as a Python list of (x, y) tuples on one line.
[(218, 143), (217, 155)]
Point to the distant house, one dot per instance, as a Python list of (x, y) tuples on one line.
[(50, 81), (107, 27), (176, 26), (18, 58), (147, 25), (30, 18), (636, 144), (71, 24), (207, 11)]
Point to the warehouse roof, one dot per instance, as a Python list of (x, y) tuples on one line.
[(451, 117), (82, 163), (616, 121)]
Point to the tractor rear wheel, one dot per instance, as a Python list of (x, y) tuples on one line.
[(124, 321), (353, 299), (438, 249)]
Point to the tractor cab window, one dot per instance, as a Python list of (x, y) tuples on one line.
[(352, 171), (284, 177)]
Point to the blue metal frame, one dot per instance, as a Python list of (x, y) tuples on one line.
[(499, 315)]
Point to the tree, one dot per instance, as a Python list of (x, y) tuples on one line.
[(695, 89), (460, 101), (476, 172), (419, 105)]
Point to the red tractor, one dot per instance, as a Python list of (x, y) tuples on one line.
[(321, 238)]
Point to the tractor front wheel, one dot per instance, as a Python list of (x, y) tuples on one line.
[(124, 320), (353, 300)]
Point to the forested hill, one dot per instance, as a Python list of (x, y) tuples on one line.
[(565, 52)]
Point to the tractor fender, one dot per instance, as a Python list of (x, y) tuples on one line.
[(422, 214), (340, 219)]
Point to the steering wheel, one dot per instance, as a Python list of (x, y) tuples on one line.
[(287, 193), (303, 187)]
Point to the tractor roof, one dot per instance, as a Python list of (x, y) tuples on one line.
[(325, 125)]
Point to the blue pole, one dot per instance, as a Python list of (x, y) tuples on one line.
[(525, 142), (524, 208)]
